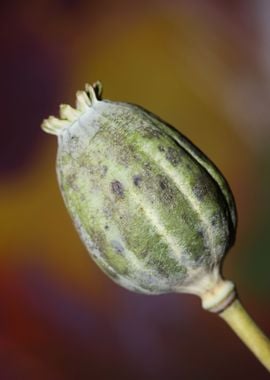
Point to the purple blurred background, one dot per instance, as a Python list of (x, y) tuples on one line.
[(205, 68)]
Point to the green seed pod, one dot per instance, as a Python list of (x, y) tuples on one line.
[(154, 212)]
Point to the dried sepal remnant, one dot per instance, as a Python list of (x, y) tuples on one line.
[(155, 214)]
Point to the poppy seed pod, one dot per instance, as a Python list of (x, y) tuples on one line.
[(154, 212)]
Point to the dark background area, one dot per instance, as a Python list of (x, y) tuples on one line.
[(205, 68)]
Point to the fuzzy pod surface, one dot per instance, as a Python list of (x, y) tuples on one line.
[(153, 211)]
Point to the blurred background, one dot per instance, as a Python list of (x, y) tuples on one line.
[(204, 66)]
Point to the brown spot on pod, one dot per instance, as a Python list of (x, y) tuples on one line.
[(161, 148), (174, 155), (215, 219), (166, 194), (163, 184), (147, 166), (137, 179), (71, 181), (117, 188), (151, 132), (117, 246), (200, 189)]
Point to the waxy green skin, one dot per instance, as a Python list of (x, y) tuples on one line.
[(153, 211)]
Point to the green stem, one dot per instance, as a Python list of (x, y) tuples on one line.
[(247, 330)]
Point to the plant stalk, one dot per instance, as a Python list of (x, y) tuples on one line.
[(247, 330)]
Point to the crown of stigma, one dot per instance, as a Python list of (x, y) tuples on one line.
[(84, 100)]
